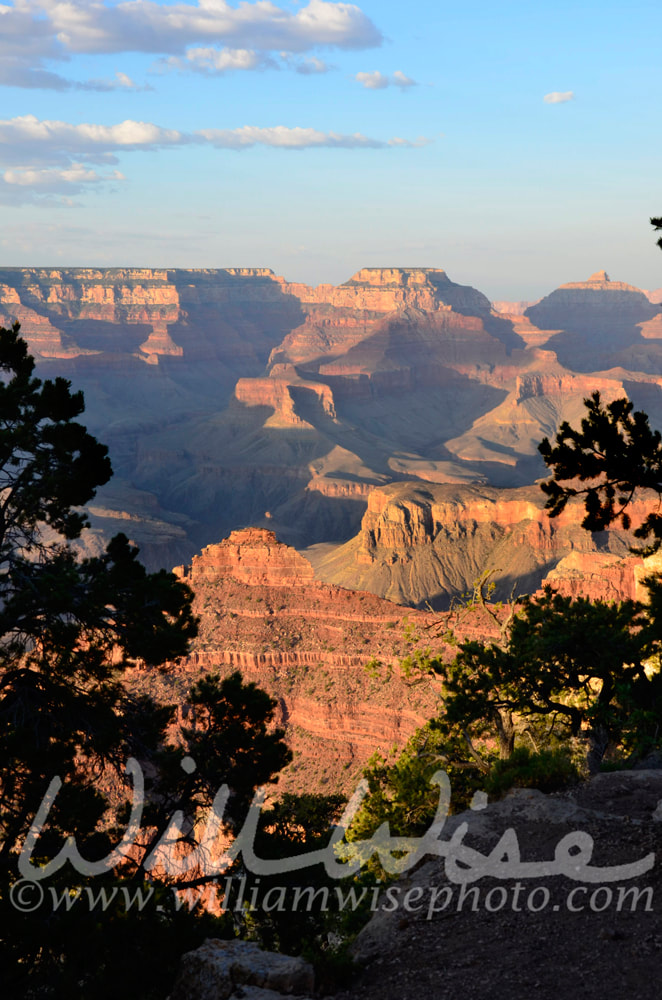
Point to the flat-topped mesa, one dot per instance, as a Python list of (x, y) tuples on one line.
[(69, 291), (591, 307), (253, 556), (391, 289), (600, 281), (235, 315), (54, 304), (249, 272), (402, 276)]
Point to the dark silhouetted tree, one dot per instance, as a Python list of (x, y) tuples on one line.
[(70, 629)]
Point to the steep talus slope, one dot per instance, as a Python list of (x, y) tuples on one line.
[(420, 544)]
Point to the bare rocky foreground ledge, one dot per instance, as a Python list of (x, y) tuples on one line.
[(593, 952), (554, 937)]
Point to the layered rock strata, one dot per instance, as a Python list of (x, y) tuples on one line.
[(308, 644), (429, 544)]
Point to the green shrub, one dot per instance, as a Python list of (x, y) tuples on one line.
[(547, 770)]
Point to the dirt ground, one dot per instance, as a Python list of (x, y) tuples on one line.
[(555, 936)]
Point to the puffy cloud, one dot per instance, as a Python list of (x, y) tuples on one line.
[(26, 42), (146, 26), (27, 141), (379, 81), (211, 60), (559, 97), (219, 36)]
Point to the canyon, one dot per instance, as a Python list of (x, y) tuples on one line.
[(331, 468), (233, 398)]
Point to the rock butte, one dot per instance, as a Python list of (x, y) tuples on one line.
[(252, 556)]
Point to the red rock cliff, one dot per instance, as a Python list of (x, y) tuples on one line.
[(252, 556), (307, 644)]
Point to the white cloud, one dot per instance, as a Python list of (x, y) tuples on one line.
[(55, 180), (211, 60), (146, 26), (286, 138), (372, 81), (121, 82), (27, 141), (311, 65), (34, 33), (422, 140), (125, 81), (559, 97), (379, 81), (43, 158)]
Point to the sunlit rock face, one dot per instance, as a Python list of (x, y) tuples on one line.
[(233, 398), (308, 644), (253, 556), (429, 544)]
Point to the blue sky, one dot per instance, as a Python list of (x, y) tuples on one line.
[(516, 145)]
